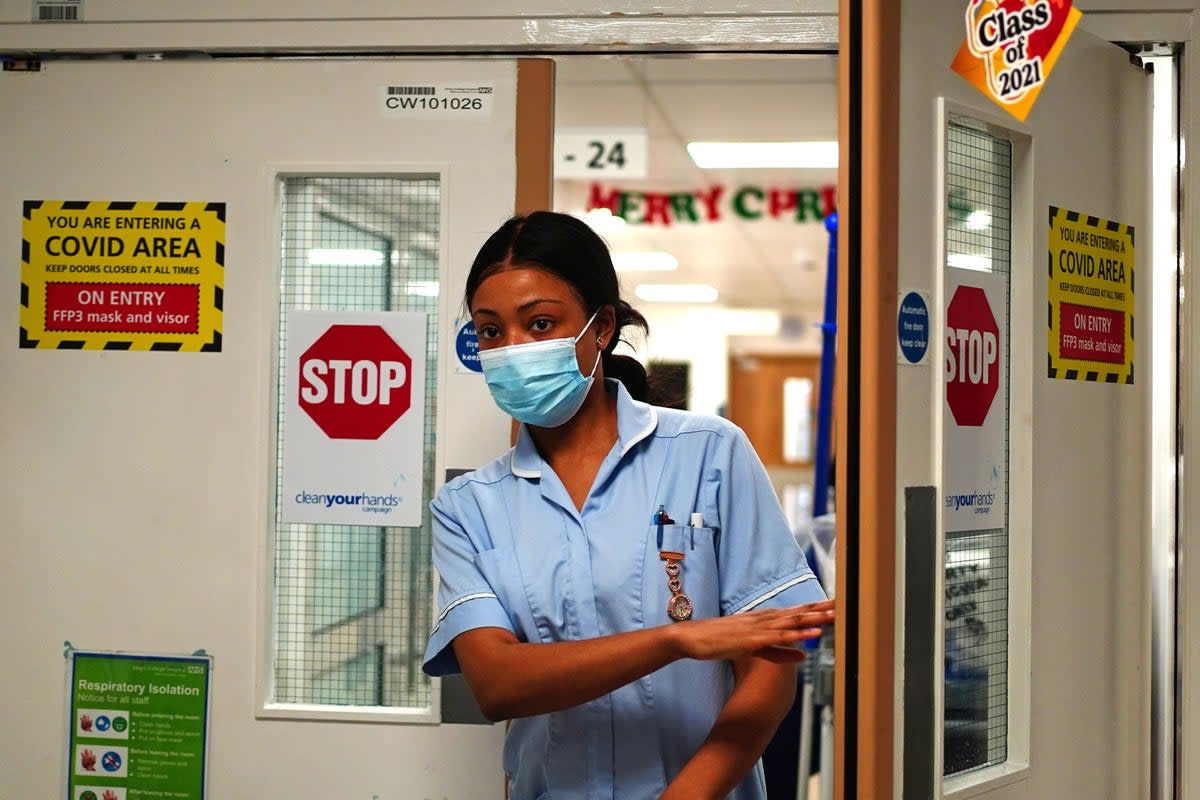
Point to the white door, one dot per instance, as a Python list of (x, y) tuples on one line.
[(1029, 419), (141, 453)]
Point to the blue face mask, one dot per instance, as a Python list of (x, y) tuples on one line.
[(538, 383)]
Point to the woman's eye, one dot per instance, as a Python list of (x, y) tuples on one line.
[(488, 332), (541, 325)]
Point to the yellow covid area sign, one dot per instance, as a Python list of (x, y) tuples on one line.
[(1091, 293), (106, 275)]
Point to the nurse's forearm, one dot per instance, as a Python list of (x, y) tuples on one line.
[(762, 695), (513, 679)]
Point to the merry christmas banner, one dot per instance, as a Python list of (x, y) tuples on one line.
[(716, 203)]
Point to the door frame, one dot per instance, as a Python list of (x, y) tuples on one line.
[(865, 391), (866, 32)]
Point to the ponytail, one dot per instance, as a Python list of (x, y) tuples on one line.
[(627, 370)]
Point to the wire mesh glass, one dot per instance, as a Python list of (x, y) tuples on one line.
[(353, 602), (978, 234)]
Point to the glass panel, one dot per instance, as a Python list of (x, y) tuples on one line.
[(355, 682), (349, 574), (349, 265), (976, 702), (353, 603), (798, 425), (978, 232), (978, 202)]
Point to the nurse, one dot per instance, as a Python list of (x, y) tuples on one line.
[(622, 583)]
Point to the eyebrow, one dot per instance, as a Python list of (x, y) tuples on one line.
[(522, 308)]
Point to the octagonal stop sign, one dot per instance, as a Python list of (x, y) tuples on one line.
[(972, 356), (354, 381)]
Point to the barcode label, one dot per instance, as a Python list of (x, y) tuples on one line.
[(437, 101), (411, 90), (55, 12)]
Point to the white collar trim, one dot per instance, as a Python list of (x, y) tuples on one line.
[(651, 424), (521, 473)]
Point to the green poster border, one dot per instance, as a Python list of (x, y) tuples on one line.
[(73, 655)]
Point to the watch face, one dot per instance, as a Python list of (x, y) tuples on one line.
[(679, 608)]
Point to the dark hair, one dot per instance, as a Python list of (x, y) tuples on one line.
[(567, 248)]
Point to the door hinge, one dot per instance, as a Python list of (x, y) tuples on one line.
[(22, 65)]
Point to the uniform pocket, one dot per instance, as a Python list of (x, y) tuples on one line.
[(698, 575), (503, 573)]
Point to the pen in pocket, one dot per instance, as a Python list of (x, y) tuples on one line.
[(697, 521), (661, 518)]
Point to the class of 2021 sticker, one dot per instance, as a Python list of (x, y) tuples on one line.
[(1011, 47)]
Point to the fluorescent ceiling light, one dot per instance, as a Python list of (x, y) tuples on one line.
[(969, 261), (646, 261), (978, 220), (601, 220), (345, 258), (422, 288), (750, 322), (764, 155), (676, 292)]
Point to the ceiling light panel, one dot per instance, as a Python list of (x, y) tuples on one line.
[(676, 292), (764, 155), (645, 261)]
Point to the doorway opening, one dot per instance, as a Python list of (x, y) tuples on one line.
[(712, 178)]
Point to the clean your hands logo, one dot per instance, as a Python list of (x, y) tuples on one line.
[(375, 503), (979, 501)]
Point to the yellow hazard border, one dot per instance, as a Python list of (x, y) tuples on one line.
[(1076, 369), (203, 221)]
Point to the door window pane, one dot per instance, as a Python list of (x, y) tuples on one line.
[(978, 232), (353, 603)]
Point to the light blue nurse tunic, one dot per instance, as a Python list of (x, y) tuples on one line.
[(513, 552)]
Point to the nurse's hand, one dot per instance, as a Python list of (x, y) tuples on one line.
[(770, 633)]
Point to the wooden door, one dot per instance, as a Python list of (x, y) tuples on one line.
[(773, 398)]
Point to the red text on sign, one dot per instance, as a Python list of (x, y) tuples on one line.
[(1091, 334), (123, 307)]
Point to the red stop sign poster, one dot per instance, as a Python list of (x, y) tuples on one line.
[(975, 410), (972, 356), (354, 422), (354, 381)]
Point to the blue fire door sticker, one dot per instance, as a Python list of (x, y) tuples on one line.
[(467, 347), (912, 328)]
